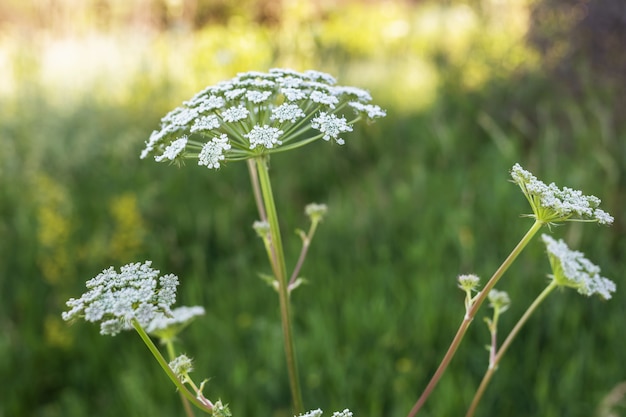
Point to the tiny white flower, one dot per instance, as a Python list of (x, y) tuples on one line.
[(210, 103), (234, 114), (181, 366), (322, 77), (180, 316), (233, 94), (209, 122), (287, 111), (290, 81), (571, 269), (359, 93), (499, 300), (155, 137), (344, 413), (315, 211), (213, 152), (331, 126), (468, 282), (180, 116), (323, 98), (258, 96), (372, 111), (312, 413), (265, 136), (294, 94), (173, 149)]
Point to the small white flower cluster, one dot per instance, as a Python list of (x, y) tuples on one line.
[(257, 113), (468, 282), (318, 413), (179, 317), (115, 299), (181, 366), (571, 269), (316, 211), (552, 204), (499, 300)]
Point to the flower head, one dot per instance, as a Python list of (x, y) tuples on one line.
[(116, 299), (259, 113), (499, 300), (315, 211), (318, 413), (468, 282), (166, 327), (181, 366), (571, 269), (550, 204)]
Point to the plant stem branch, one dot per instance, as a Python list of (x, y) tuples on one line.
[(280, 272), (306, 243), (254, 179), (469, 316), (505, 345), (161, 360)]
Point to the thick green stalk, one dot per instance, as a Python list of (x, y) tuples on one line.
[(280, 272), (161, 360), (469, 316), (505, 345)]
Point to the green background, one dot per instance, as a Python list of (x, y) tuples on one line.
[(414, 200)]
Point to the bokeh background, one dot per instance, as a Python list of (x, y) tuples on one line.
[(470, 87)]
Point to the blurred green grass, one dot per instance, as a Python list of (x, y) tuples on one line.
[(415, 199)]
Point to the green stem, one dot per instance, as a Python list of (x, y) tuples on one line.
[(280, 272), (505, 345), (254, 179), (306, 243), (469, 316), (161, 360)]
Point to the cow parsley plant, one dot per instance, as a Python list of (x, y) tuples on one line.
[(259, 113)]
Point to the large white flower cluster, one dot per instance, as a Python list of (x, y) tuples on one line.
[(116, 299), (552, 204), (258, 113)]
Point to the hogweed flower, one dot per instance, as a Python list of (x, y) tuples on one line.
[(318, 413), (571, 269), (181, 366), (499, 300), (315, 211), (550, 204), (166, 327), (259, 113), (469, 284), (116, 299)]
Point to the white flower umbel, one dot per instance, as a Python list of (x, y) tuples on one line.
[(181, 366), (550, 204), (168, 326), (173, 149), (331, 126), (318, 413), (264, 136), (571, 269), (212, 152), (259, 113), (115, 299)]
